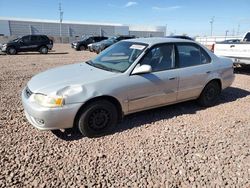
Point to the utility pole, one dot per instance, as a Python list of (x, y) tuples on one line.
[(226, 34), (61, 19), (166, 30), (238, 30), (212, 22)]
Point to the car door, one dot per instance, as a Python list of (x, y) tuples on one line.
[(24, 44), (158, 87), (195, 67), (35, 42)]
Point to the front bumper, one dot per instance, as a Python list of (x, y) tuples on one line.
[(90, 48), (3, 49), (74, 46), (50, 46), (49, 118), (97, 48)]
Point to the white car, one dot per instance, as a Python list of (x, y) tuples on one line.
[(130, 76)]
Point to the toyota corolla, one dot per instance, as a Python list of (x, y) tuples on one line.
[(130, 76)]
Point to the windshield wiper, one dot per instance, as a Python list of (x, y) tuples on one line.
[(89, 62), (104, 67), (100, 66)]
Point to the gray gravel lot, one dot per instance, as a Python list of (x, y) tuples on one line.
[(181, 145)]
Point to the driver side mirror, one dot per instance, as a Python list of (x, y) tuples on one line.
[(142, 69)]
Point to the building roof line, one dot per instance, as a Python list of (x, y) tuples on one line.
[(57, 21)]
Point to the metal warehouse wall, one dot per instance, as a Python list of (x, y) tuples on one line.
[(147, 33), (20, 28), (71, 31)]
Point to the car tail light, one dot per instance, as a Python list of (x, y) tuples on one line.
[(212, 48)]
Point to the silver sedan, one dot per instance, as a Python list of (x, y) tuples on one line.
[(128, 77)]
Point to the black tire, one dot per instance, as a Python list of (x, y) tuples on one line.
[(97, 118), (82, 47), (43, 50), (11, 51), (210, 94), (98, 51)]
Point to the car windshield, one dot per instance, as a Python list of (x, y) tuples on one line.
[(119, 56), (15, 40)]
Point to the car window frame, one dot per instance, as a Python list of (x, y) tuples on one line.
[(191, 44), (155, 46), (36, 37)]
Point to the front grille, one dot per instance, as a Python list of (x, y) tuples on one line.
[(28, 93)]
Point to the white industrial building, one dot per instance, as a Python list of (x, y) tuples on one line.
[(71, 29)]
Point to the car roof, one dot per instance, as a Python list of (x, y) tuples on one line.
[(157, 40)]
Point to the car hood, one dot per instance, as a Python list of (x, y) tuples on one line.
[(10, 43), (104, 42), (56, 79)]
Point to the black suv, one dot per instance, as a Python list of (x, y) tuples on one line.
[(28, 43), (83, 43)]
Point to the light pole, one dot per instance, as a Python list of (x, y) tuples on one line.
[(61, 19), (211, 22)]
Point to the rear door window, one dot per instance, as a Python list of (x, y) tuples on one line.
[(34, 38), (42, 38), (191, 55)]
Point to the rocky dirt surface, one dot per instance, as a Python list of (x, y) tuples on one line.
[(181, 145)]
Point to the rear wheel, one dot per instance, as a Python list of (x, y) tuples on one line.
[(11, 51), (210, 94), (97, 118), (43, 50)]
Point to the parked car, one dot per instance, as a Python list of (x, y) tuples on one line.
[(181, 37), (100, 46), (83, 44), (130, 76), (28, 43), (238, 51)]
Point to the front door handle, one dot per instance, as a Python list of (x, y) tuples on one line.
[(232, 46), (208, 72)]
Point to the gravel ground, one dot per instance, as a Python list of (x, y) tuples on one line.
[(181, 145)]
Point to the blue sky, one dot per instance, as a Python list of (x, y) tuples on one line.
[(191, 17)]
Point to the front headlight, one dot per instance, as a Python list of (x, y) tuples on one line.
[(48, 101), (4, 46)]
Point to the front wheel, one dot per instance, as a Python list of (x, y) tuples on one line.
[(82, 48), (98, 118), (11, 51), (210, 94)]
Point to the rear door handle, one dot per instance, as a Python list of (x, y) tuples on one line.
[(232, 46), (208, 72), (173, 78)]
